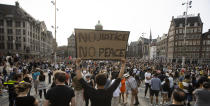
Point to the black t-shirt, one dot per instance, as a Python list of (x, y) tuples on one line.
[(25, 101), (60, 95), (100, 97)]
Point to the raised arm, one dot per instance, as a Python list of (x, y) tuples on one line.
[(123, 62), (78, 71), (81, 80), (118, 80)]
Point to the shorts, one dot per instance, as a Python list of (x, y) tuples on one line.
[(154, 92)]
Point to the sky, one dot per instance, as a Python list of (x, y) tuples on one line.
[(136, 16)]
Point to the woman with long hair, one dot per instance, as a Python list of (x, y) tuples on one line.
[(165, 90)]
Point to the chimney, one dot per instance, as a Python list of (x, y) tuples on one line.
[(209, 30), (172, 17), (16, 4), (198, 14)]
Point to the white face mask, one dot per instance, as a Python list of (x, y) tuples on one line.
[(84, 72)]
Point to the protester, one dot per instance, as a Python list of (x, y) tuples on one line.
[(132, 85), (22, 98), (202, 95), (116, 94), (11, 88), (79, 92), (122, 90), (50, 73), (100, 96), (60, 95), (171, 80), (27, 78), (187, 87), (147, 81), (90, 82), (42, 84), (165, 90), (35, 74), (155, 88), (178, 97)]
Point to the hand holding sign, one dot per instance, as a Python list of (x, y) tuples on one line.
[(101, 45)]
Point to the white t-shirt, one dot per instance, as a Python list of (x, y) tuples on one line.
[(171, 82), (116, 93), (134, 70), (147, 74)]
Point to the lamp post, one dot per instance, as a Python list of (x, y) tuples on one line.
[(188, 5), (55, 28)]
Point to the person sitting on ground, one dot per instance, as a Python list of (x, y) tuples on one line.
[(179, 97), (100, 96), (22, 98)]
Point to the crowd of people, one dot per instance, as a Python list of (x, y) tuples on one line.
[(103, 83)]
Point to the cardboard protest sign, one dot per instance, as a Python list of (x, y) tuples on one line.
[(101, 45)]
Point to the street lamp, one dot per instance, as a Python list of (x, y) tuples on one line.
[(188, 5), (55, 27)]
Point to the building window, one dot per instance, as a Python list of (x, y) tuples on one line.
[(18, 46), (180, 31), (1, 22), (195, 29), (17, 24), (18, 31), (10, 38), (1, 30), (207, 42), (24, 32), (24, 39), (186, 42), (204, 42), (177, 31), (9, 23), (208, 36), (24, 24), (9, 45), (9, 31), (198, 42), (207, 48), (18, 39), (1, 45), (195, 24), (1, 38), (199, 29)]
